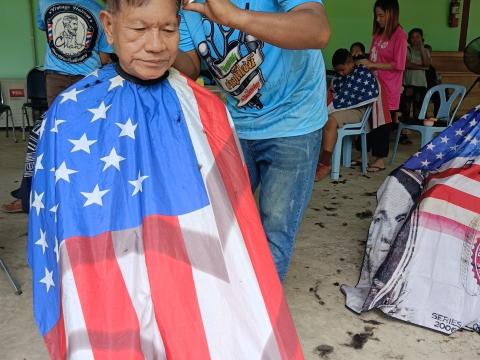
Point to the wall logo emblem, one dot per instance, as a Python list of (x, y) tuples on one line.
[(72, 32)]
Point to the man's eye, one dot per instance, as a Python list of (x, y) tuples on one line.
[(139, 29), (170, 30)]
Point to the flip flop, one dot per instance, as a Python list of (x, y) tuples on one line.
[(356, 163), (14, 207), (374, 169)]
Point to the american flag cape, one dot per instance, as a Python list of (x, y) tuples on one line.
[(422, 257), (144, 238), (357, 89)]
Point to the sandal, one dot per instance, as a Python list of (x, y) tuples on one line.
[(14, 207), (374, 169), (356, 163)]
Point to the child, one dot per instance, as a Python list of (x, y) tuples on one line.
[(357, 49), (353, 88), (144, 239), (415, 80)]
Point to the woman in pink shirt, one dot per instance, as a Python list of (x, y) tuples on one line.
[(387, 58)]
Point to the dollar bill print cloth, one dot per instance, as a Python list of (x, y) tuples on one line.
[(422, 257)]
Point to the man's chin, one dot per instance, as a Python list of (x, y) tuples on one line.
[(146, 75)]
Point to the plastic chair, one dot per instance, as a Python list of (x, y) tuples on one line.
[(446, 112), (344, 144), (4, 108), (36, 96)]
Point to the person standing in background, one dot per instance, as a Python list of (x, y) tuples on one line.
[(415, 79), (258, 52), (75, 47), (388, 53)]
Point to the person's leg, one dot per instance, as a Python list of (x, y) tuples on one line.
[(252, 167), (335, 121), (287, 168), (329, 138), (380, 138), (419, 94)]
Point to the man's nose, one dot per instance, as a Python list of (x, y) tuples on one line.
[(154, 41)]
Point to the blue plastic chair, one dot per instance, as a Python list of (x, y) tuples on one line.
[(344, 144), (446, 112)]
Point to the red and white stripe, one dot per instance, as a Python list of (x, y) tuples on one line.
[(380, 112), (243, 241), (451, 201)]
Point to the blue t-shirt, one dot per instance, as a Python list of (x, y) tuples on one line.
[(273, 92), (74, 35)]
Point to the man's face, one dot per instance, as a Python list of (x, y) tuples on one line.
[(387, 223), (345, 69), (145, 38)]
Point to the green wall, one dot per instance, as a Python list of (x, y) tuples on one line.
[(351, 21), (474, 24), (17, 55)]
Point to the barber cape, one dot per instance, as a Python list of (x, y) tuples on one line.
[(144, 237), (357, 89), (422, 258)]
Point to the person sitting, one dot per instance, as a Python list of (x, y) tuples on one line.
[(352, 89), (148, 213)]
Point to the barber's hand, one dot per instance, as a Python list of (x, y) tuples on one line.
[(219, 11), (365, 62)]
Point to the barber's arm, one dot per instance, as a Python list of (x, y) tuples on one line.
[(188, 63), (303, 27)]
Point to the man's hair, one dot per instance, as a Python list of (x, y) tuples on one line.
[(392, 15), (341, 57), (114, 5), (359, 44)]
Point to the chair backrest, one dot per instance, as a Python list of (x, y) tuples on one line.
[(446, 110), (36, 84)]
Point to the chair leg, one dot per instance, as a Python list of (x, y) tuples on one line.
[(13, 126), (397, 140), (426, 137), (11, 280), (363, 137), (337, 154), (347, 151), (24, 116), (6, 124)]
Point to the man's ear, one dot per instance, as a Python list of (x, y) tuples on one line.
[(107, 21)]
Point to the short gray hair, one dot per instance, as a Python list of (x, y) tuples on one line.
[(114, 5)]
